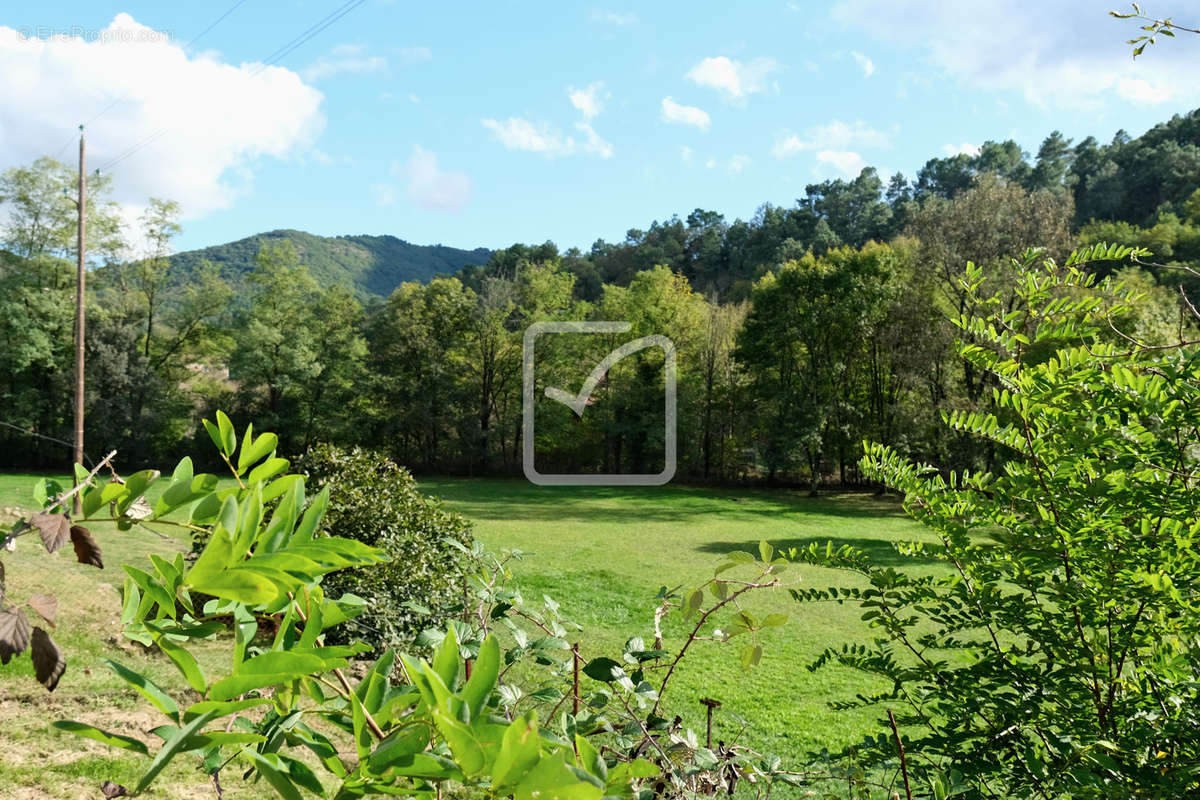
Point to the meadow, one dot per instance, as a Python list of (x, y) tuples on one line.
[(601, 552)]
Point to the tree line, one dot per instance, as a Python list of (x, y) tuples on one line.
[(799, 332)]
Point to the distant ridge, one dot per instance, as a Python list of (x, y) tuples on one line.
[(368, 265)]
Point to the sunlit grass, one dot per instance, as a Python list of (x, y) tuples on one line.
[(603, 553)]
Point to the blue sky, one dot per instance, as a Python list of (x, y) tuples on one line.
[(484, 124)]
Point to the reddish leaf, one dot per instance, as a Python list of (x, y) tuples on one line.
[(3, 584), (45, 605), (86, 549), (112, 790), (48, 663), (14, 633), (55, 528)]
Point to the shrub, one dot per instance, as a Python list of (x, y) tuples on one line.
[(374, 501), (1061, 655)]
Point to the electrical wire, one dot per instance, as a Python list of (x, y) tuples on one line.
[(28, 432)]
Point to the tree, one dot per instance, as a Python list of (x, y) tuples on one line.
[(983, 224), (1059, 658), (160, 224), (278, 362), (415, 344), (42, 218), (801, 345)]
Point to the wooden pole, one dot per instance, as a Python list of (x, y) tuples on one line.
[(79, 306)]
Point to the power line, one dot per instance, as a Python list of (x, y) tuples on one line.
[(37, 435), (316, 28), (280, 53)]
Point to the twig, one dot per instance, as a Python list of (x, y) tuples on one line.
[(65, 496), (903, 759), (371, 723)]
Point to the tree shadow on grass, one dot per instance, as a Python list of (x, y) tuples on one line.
[(880, 552), (505, 499)]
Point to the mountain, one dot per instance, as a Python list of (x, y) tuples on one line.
[(369, 265)]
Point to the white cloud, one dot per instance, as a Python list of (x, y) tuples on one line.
[(202, 123), (733, 166), (847, 162), (738, 163), (684, 115), (416, 53), (613, 18), (837, 135), (431, 187), (343, 58), (867, 66), (966, 148), (734, 79), (385, 194), (686, 155), (516, 133), (1143, 92), (589, 101), (592, 143), (1034, 50)]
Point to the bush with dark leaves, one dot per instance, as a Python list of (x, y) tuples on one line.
[(375, 501)]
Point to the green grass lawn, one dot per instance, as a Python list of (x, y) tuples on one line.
[(601, 552)]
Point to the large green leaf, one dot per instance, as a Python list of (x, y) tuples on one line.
[(399, 746), (173, 745), (223, 708), (520, 750), (271, 767), (240, 584), (483, 676), (553, 777), (267, 669), (186, 663), (467, 750), (148, 688), (92, 732), (228, 441), (262, 447)]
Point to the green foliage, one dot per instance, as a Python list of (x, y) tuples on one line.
[(263, 560), (1061, 657), (372, 500)]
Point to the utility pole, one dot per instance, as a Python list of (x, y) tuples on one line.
[(81, 204)]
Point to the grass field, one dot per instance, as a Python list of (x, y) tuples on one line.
[(601, 552)]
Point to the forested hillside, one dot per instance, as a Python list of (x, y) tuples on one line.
[(800, 332), (1129, 190), (369, 265)]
